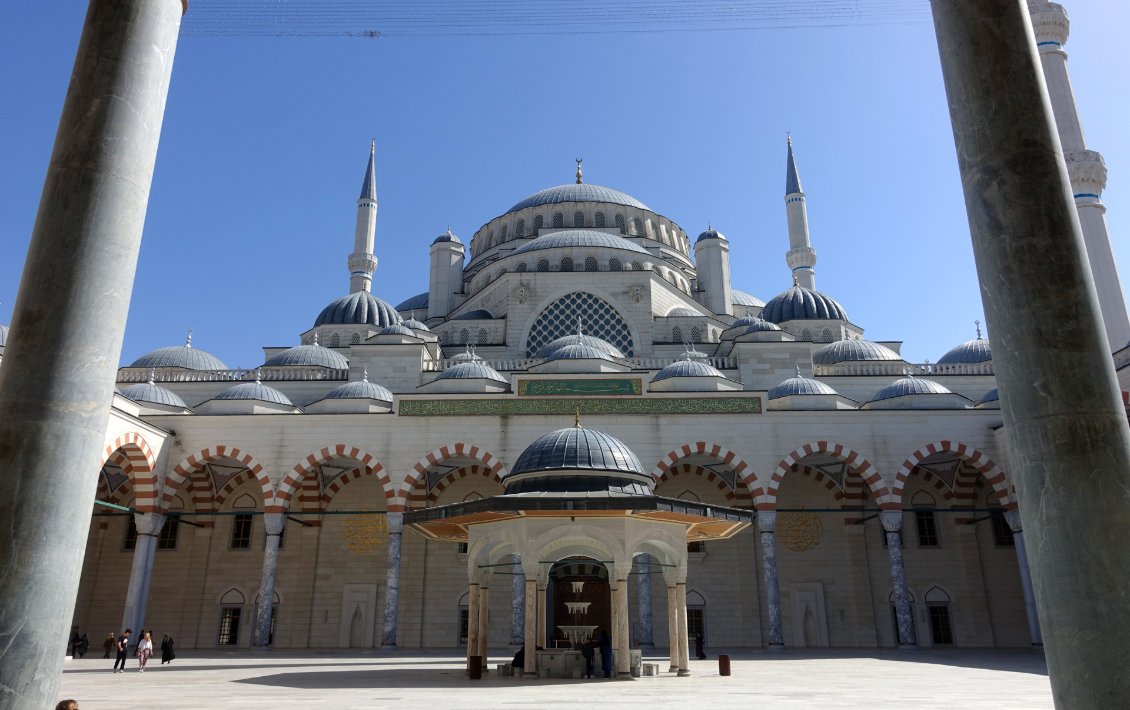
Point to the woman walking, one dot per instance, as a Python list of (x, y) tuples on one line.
[(167, 653), (144, 651)]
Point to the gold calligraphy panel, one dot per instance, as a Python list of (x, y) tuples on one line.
[(364, 534), (799, 531)]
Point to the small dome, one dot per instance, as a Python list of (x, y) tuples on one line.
[(447, 236), (761, 326), (682, 311), (592, 341), (184, 356), (254, 390), (360, 308), (417, 302), (968, 353), (799, 303), (579, 238), (155, 394), (477, 314), (397, 329), (990, 396), (853, 351), (360, 390), (710, 233), (687, 368), (467, 355), (577, 449), (416, 325), (741, 298), (308, 356), (472, 370), (578, 193), (908, 386), (800, 385), (578, 351)]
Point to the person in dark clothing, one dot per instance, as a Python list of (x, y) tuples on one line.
[(606, 653), (699, 642), (167, 653), (519, 661), (589, 653), (82, 646), (122, 646), (108, 645)]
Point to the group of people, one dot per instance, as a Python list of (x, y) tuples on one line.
[(143, 650), (78, 645)]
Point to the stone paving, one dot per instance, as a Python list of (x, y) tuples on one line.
[(829, 680)]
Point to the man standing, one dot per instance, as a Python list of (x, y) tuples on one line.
[(122, 646)]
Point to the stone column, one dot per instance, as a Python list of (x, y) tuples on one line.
[(643, 600), (1013, 518), (673, 627), (892, 527), (681, 622), (472, 622), (58, 373), (542, 621), (530, 667), (395, 523), (484, 623), (273, 524), (1067, 434), (141, 572), (517, 602), (767, 525), (620, 622)]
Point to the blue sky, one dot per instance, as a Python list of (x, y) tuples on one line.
[(265, 140)]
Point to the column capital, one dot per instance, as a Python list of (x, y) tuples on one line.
[(148, 523), (766, 521), (1012, 517), (395, 523), (273, 523), (891, 520)]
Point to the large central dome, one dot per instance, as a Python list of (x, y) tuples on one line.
[(578, 193)]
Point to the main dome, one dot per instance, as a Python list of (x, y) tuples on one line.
[(578, 193), (579, 238), (799, 303), (185, 356), (358, 308)]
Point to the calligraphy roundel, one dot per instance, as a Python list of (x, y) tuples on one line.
[(799, 531)]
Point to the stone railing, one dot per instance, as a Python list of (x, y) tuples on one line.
[(636, 363), (266, 374), (897, 368)]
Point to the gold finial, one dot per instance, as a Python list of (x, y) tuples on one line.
[(577, 417), (977, 323), (578, 171)]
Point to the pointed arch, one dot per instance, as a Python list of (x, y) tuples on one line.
[(182, 472), (972, 456), (309, 466), (471, 471), (420, 469), (132, 453), (685, 471), (767, 499), (352, 475), (744, 476)]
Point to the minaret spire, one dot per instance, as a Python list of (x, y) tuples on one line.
[(362, 262), (801, 257)]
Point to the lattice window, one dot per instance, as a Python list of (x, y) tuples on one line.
[(539, 222), (558, 220), (567, 264), (502, 238), (543, 265), (637, 266), (598, 219), (482, 337), (335, 341), (520, 229), (597, 317), (696, 334), (578, 219), (620, 223), (614, 265), (637, 227), (826, 336), (806, 335), (464, 336), (520, 267), (591, 264), (355, 338), (676, 335)]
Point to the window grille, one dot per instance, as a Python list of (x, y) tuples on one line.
[(620, 223), (167, 539), (614, 265), (558, 220), (482, 336), (229, 625), (539, 222), (464, 336), (578, 219), (598, 219), (637, 227), (543, 265), (520, 267), (676, 335), (637, 266), (355, 338), (590, 264), (597, 316), (806, 335), (927, 525), (520, 229), (335, 341), (241, 531), (567, 264), (696, 334)]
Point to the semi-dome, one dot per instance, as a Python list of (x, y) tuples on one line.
[(799, 303), (154, 394), (415, 325), (741, 298), (687, 368), (592, 341), (360, 308), (800, 385), (184, 356), (578, 193), (361, 390), (578, 460), (447, 236), (710, 233), (477, 314), (761, 326), (472, 370), (682, 312), (308, 356), (396, 329), (578, 351), (254, 390), (853, 351), (415, 303), (579, 238), (968, 353), (908, 386)]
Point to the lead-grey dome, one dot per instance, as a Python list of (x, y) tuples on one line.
[(308, 356), (908, 386), (968, 353), (184, 356), (577, 460), (799, 303), (741, 298), (415, 303), (415, 325), (396, 329), (591, 341), (853, 351), (361, 390), (687, 368), (800, 385), (710, 233), (472, 370), (447, 236), (254, 390), (760, 326), (578, 193), (578, 351), (682, 311), (477, 314), (579, 238), (360, 308), (155, 394)]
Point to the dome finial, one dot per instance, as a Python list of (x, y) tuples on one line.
[(579, 331), (258, 375), (315, 337), (578, 171), (798, 370), (795, 282), (152, 375), (188, 339), (977, 323), (687, 350), (577, 417)]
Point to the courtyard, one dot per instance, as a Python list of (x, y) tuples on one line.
[(827, 679)]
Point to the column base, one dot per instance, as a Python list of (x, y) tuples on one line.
[(908, 647), (776, 647), (683, 673)]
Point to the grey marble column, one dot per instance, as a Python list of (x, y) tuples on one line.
[(1013, 518), (681, 621), (67, 327), (141, 572), (484, 624), (1064, 421), (392, 578), (673, 627), (529, 669), (620, 623), (517, 602), (542, 621), (273, 524), (767, 525), (892, 528), (645, 636), (472, 622)]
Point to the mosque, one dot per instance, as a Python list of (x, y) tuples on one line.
[(584, 422)]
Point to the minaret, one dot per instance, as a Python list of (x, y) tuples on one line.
[(1086, 168), (362, 262), (801, 257)]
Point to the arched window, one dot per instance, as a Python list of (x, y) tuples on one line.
[(637, 266), (620, 223), (520, 267), (806, 335), (591, 264), (558, 220), (676, 335), (637, 227), (355, 338), (520, 229), (464, 619), (482, 337), (335, 341), (696, 334), (539, 222), (567, 264), (941, 626), (578, 219), (614, 264), (502, 238), (925, 521), (598, 219), (696, 615), (231, 609), (543, 265), (559, 319), (490, 240), (464, 336), (826, 336)]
